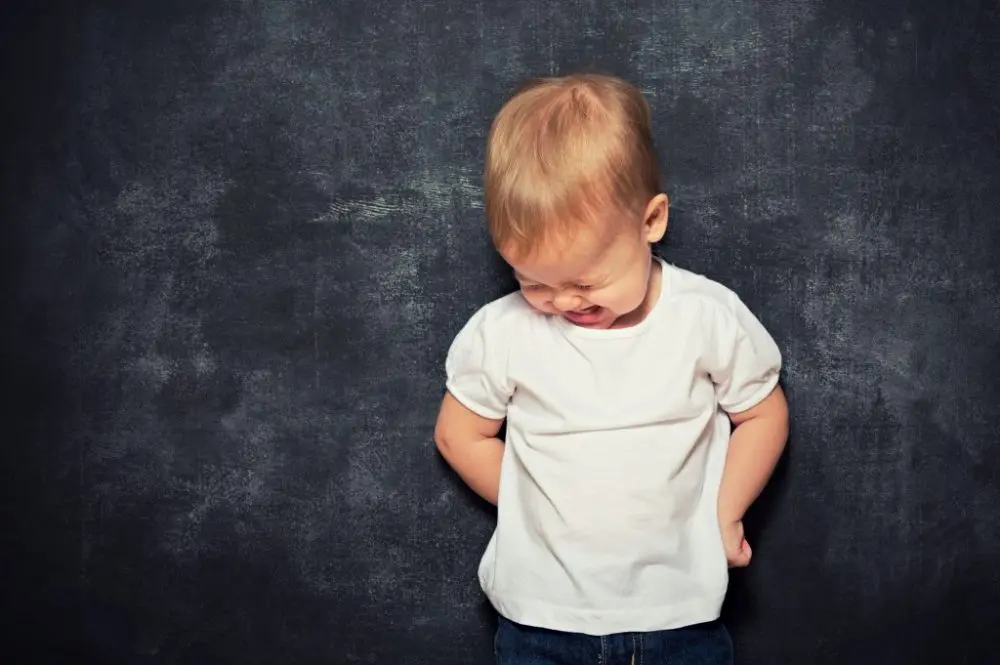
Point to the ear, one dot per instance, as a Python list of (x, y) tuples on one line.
[(655, 220)]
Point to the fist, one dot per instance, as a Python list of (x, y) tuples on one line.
[(738, 551)]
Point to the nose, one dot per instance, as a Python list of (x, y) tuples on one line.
[(566, 302)]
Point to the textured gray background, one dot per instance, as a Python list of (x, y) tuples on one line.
[(239, 236)]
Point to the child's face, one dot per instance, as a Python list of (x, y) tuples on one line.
[(601, 279)]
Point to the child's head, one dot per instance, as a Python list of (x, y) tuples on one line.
[(573, 197)]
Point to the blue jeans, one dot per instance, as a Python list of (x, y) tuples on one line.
[(704, 644)]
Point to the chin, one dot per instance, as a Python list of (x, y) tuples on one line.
[(603, 325)]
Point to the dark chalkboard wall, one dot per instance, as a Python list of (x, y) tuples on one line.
[(239, 236)]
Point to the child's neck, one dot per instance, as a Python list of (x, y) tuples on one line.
[(654, 284)]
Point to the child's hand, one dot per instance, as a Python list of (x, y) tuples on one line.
[(738, 551)]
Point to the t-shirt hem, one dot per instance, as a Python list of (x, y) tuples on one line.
[(598, 622), (472, 405), (756, 398)]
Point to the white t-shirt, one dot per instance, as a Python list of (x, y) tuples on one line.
[(615, 446)]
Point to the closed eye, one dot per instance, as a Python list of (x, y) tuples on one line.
[(538, 287)]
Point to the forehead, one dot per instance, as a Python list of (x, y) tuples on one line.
[(581, 258)]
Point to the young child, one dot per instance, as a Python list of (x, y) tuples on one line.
[(622, 485)]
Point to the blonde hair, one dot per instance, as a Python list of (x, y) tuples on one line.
[(563, 151)]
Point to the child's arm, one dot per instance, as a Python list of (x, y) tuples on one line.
[(754, 450), (468, 442)]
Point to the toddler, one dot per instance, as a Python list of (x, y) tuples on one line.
[(642, 402)]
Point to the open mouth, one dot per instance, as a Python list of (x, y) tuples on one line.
[(584, 317)]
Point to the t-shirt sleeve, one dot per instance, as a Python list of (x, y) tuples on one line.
[(745, 362), (476, 365)]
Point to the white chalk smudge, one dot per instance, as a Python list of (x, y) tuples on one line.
[(372, 210), (846, 88), (428, 193), (154, 370)]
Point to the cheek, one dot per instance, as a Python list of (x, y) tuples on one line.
[(622, 299), (536, 299)]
